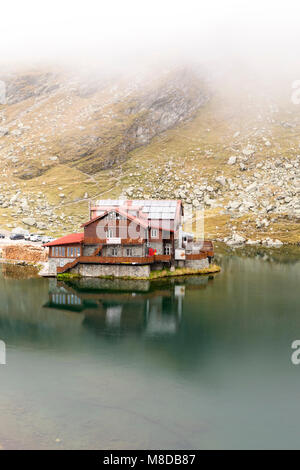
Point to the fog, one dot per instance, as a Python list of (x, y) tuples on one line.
[(257, 35)]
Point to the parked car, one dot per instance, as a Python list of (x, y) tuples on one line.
[(46, 239), (16, 236), (28, 236), (35, 237), (1, 235)]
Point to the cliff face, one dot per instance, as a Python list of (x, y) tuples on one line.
[(87, 123)]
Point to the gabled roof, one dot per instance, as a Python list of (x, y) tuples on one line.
[(67, 239), (137, 220), (152, 208)]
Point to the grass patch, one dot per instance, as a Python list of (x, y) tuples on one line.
[(212, 269), (67, 276)]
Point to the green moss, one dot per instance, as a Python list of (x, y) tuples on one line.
[(67, 276), (212, 269)]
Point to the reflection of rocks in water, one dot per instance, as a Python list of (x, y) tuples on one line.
[(198, 282), (286, 254), (18, 271), (126, 306)]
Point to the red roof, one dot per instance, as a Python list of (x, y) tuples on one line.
[(67, 239)]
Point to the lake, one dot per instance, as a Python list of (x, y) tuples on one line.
[(194, 363)]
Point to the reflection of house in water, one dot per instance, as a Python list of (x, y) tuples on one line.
[(125, 306), (65, 299), (158, 312)]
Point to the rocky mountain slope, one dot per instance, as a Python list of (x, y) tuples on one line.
[(66, 137)]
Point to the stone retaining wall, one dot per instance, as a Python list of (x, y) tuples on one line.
[(197, 263), (118, 270), (27, 253), (54, 262)]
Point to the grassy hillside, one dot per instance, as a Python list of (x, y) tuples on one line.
[(68, 139)]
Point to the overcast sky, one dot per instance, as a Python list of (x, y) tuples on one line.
[(127, 31)]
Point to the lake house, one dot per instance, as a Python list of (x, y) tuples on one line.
[(129, 238)]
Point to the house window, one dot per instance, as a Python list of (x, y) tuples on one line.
[(167, 249), (154, 233), (112, 216), (70, 252), (114, 252), (128, 251), (110, 233), (63, 251), (78, 251), (56, 251)]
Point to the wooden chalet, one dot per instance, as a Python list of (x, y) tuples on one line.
[(128, 233)]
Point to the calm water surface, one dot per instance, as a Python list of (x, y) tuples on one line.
[(189, 363)]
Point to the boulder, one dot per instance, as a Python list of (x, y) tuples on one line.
[(236, 240), (272, 243), (232, 160), (3, 131), (221, 180), (248, 151), (29, 221), (251, 187), (252, 242), (41, 225)]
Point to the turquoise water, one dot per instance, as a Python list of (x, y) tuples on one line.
[(200, 362)]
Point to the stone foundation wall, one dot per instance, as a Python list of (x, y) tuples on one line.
[(118, 270), (197, 263), (54, 262), (157, 266)]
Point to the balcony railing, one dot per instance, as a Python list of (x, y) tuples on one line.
[(107, 241)]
